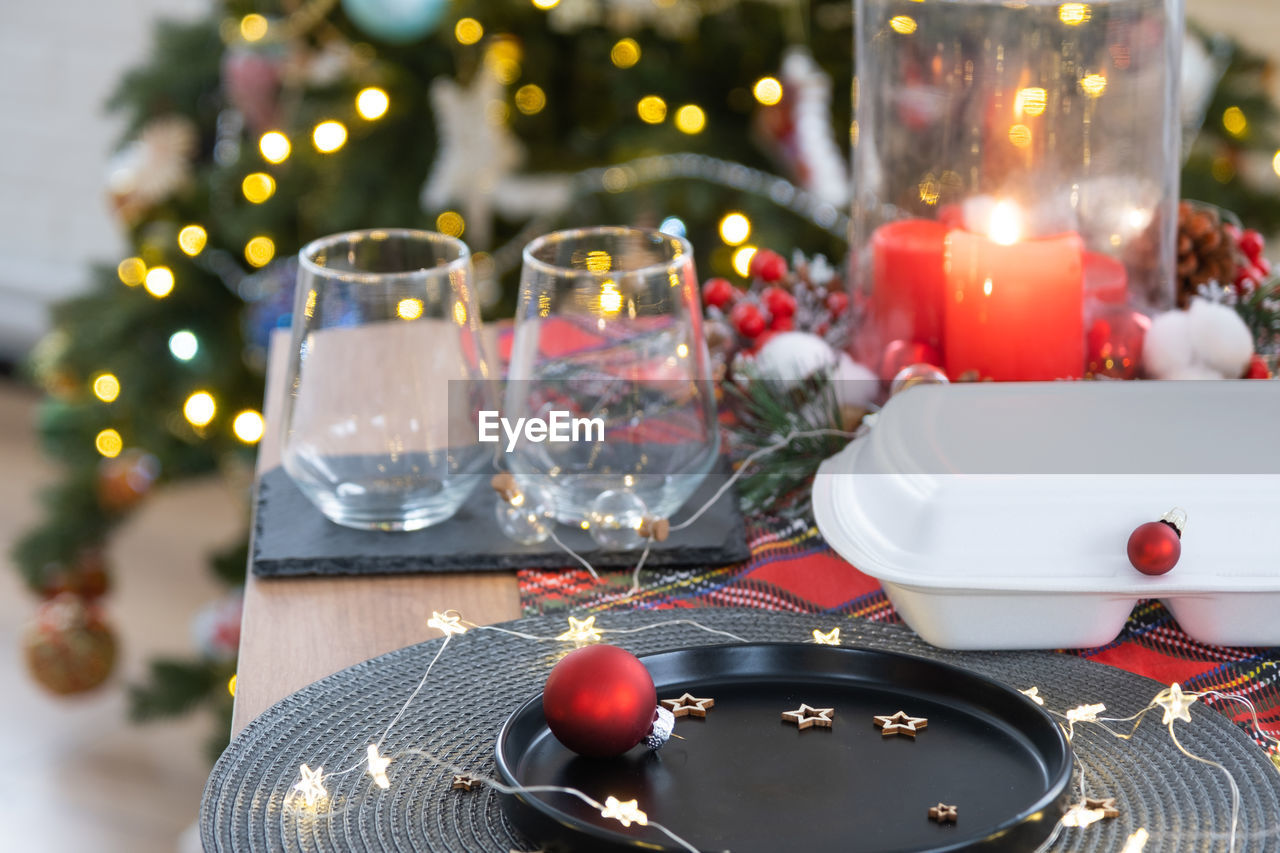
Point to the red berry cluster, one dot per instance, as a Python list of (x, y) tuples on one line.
[(1252, 269)]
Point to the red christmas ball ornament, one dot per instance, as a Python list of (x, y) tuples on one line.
[(69, 647), (1154, 547), (768, 266), (747, 319), (719, 292), (781, 305), (600, 702), (900, 354)]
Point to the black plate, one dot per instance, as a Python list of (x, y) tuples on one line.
[(743, 780)]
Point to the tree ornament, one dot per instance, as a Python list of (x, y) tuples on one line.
[(917, 374), (148, 170), (719, 292), (216, 629), (768, 266), (126, 479), (1154, 547), (251, 81), (395, 21), (85, 576), (615, 520), (68, 647), (525, 513), (747, 319), (600, 701)]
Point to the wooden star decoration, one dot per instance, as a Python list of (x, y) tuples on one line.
[(463, 782), (1078, 816), (625, 813), (582, 631), (829, 638), (900, 723), (311, 786), (943, 813), (688, 705), (378, 767), (1176, 704), (806, 717), (450, 622), (1106, 805)]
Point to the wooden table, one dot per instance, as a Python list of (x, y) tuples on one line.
[(297, 630)]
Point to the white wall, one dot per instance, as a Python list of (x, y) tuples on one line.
[(59, 60)]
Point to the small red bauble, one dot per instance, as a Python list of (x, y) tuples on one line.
[(781, 305), (1251, 243), (719, 292), (902, 353), (1154, 547), (599, 701), (747, 319), (1258, 368), (768, 266), (782, 324)]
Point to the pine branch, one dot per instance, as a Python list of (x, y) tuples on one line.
[(174, 687)]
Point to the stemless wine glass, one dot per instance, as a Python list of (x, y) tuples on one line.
[(375, 432), (608, 343)]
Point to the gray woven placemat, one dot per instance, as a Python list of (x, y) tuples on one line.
[(484, 675)]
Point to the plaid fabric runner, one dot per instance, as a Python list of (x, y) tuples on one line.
[(792, 569)]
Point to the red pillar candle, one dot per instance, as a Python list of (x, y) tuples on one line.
[(907, 282), (1014, 308)]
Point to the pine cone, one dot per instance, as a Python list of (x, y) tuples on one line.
[(1205, 251)]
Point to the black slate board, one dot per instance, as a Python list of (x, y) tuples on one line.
[(292, 538)]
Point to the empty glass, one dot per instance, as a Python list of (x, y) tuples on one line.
[(608, 341), (374, 434)]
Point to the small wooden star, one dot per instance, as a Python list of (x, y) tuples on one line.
[(828, 638), (463, 782), (1106, 805), (943, 813), (1176, 704), (688, 705), (900, 723), (311, 787), (805, 717), (450, 622)]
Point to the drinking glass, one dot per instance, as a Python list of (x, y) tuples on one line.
[(375, 433), (609, 330)]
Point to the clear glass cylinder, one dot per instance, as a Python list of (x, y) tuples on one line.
[(385, 379), (609, 328), (1016, 169)]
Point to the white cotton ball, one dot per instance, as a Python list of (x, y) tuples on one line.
[(1194, 371), (855, 384), (792, 356), (1220, 338), (1167, 348)]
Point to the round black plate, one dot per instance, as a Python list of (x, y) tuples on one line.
[(744, 780)]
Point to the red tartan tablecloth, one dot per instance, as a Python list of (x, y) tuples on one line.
[(792, 569)]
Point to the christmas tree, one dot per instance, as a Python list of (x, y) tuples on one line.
[(273, 123)]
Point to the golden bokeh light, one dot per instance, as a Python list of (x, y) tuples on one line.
[(930, 190), (409, 308), (372, 103), (1234, 122), (1275, 164), (109, 443), (1074, 14), (258, 187), (735, 228), (610, 298), (690, 119), (1020, 135), (451, 222), (545, 4), (231, 686), (903, 25), (530, 99), (329, 136), (248, 426), (742, 260), (503, 58), (159, 282), (259, 250), (1031, 101), (625, 53), (274, 146), (468, 31), (460, 313), (1093, 85), (106, 387), (132, 271), (192, 240), (598, 260), (652, 109), (767, 90), (253, 27), (200, 408)]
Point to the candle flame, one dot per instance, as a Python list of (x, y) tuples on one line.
[(1005, 226)]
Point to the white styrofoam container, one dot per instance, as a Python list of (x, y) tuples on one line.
[(996, 515)]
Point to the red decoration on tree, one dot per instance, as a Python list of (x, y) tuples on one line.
[(1154, 547), (747, 319), (600, 701), (68, 646), (768, 266), (719, 292)]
